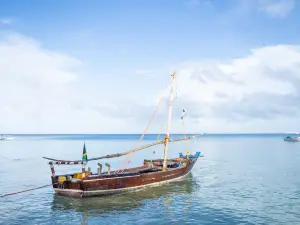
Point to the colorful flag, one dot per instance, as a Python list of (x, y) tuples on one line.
[(84, 155)]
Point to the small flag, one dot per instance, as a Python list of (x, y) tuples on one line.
[(84, 155), (182, 114)]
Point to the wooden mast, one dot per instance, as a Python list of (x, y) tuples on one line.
[(169, 123)]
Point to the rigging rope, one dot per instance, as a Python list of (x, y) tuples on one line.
[(186, 141), (176, 88), (14, 193), (142, 136), (158, 135)]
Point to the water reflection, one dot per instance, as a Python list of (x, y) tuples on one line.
[(127, 201), (175, 202)]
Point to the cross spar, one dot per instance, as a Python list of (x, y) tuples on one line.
[(124, 153)]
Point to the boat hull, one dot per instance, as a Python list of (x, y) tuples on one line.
[(80, 193), (107, 186), (297, 139)]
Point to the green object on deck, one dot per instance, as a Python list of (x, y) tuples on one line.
[(84, 155)]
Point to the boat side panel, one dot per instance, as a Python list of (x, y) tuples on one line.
[(101, 184), (123, 184), (135, 181)]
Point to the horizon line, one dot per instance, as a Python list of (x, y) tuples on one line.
[(192, 133)]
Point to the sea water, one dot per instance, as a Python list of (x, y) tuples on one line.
[(242, 179)]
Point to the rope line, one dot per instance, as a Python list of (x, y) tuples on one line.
[(160, 100), (158, 135), (186, 141), (127, 159), (14, 193), (142, 136), (159, 132)]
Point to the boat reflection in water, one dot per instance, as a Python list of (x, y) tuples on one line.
[(127, 201)]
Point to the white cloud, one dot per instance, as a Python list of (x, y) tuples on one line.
[(49, 92), (46, 91), (262, 88), (257, 93), (272, 8), (276, 8)]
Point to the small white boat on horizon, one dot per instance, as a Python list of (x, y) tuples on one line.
[(292, 137), (3, 138)]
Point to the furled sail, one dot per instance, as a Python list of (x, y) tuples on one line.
[(121, 154)]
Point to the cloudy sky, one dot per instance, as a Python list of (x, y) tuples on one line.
[(101, 67)]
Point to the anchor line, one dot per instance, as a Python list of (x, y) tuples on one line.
[(31, 189)]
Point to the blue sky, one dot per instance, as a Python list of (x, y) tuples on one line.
[(137, 42), (150, 33)]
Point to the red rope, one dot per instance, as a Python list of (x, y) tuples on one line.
[(143, 134), (14, 193)]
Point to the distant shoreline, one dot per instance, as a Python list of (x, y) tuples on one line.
[(258, 133)]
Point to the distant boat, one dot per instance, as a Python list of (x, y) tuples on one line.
[(3, 138), (293, 137)]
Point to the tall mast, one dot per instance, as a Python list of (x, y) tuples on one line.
[(169, 122)]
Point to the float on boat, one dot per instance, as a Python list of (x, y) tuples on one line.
[(150, 173)]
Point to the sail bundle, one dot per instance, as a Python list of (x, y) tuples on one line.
[(85, 159)]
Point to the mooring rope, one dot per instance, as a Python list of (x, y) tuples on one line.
[(14, 193)]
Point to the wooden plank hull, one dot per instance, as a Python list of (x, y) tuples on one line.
[(93, 186)]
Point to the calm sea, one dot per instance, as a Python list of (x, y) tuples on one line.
[(242, 179)]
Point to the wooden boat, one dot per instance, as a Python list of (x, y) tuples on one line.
[(151, 173), (126, 201)]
